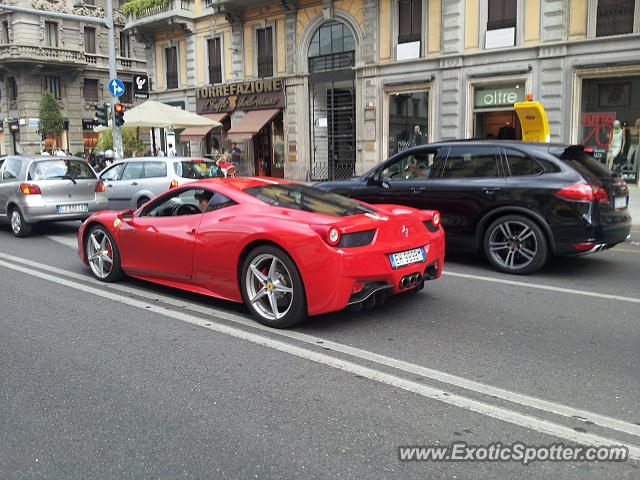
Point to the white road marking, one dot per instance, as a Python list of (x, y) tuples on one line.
[(478, 277), (66, 241), (462, 402), (619, 298)]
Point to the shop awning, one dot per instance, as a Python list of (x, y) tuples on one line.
[(195, 134), (251, 124)]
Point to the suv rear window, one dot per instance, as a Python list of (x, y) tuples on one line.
[(196, 169), (58, 169), (585, 164), (301, 197)]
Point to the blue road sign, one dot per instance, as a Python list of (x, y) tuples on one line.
[(116, 87)]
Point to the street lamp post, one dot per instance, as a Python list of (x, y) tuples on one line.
[(107, 21)]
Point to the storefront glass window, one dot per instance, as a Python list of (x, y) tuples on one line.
[(609, 122), (408, 120)]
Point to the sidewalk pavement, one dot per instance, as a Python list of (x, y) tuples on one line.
[(634, 204)]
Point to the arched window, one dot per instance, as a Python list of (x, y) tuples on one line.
[(332, 48)]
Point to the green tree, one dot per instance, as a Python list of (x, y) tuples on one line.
[(130, 142), (50, 121)]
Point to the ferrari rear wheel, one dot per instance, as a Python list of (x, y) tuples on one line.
[(272, 288), (103, 255)]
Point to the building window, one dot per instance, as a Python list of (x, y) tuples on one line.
[(89, 40), (408, 120), (12, 88), (127, 96), (265, 52), (90, 90), (53, 85), (215, 60), (332, 48), (502, 14), (5, 32), (614, 17), (171, 66), (409, 21), (125, 45), (51, 34)]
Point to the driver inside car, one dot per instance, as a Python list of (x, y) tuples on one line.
[(203, 199)]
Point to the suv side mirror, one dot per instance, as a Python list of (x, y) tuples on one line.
[(126, 214), (376, 180)]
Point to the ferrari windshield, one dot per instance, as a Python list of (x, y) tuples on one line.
[(309, 199)]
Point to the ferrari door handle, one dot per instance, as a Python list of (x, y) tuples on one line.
[(192, 231)]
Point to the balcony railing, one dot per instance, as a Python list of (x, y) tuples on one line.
[(215, 74), (172, 79), (265, 67), (46, 54), (161, 13)]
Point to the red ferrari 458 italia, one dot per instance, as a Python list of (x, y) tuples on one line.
[(285, 249)]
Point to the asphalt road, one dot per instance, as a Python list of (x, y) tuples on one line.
[(136, 381)]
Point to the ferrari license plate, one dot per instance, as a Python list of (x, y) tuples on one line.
[(73, 208), (620, 202), (407, 257)]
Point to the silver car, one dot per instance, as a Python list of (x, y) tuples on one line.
[(132, 182), (45, 188)]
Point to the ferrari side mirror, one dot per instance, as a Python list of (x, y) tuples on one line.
[(126, 214)]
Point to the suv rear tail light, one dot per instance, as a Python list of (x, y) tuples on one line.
[(583, 247), (100, 186), (584, 192), (173, 184), (30, 189)]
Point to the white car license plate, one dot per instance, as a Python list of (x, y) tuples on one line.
[(407, 257), (620, 202), (73, 208)]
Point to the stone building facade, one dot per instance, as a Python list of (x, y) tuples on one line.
[(68, 57), (363, 79)]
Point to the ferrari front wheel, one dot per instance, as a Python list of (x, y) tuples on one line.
[(103, 255), (272, 288)]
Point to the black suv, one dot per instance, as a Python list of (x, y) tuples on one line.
[(518, 202)]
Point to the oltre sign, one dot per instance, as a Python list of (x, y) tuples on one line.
[(496, 97)]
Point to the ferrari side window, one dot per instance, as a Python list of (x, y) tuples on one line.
[(188, 201)]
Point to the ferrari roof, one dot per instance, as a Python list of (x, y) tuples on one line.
[(240, 183)]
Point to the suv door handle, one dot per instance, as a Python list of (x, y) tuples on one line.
[(418, 190), (490, 190)]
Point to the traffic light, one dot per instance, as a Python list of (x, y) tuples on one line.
[(119, 109), (102, 114)]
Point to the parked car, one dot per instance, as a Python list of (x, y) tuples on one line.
[(284, 249), (36, 189), (132, 182), (517, 202)]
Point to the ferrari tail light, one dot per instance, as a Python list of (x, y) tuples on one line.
[(436, 218), (30, 189), (173, 184), (100, 186), (584, 192), (330, 234)]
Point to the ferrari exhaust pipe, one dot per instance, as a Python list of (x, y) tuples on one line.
[(410, 281)]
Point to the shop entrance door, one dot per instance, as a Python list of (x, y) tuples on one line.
[(333, 130), (263, 151), (502, 124)]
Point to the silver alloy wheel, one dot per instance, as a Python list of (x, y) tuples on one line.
[(16, 222), (513, 244), (100, 253), (269, 287)]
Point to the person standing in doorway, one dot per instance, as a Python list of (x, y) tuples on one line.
[(171, 152), (159, 153), (235, 154)]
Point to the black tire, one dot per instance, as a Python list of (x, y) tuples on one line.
[(115, 272), (297, 311), (19, 226), (516, 244), (141, 201)]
